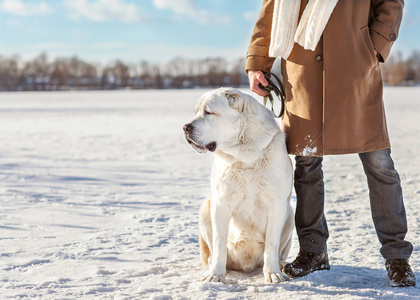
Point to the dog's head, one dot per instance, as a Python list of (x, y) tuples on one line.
[(218, 120)]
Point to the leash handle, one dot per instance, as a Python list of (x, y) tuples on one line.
[(279, 91)]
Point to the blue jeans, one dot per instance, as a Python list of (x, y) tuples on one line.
[(386, 201)]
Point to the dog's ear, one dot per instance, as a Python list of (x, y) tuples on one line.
[(235, 100), (232, 97)]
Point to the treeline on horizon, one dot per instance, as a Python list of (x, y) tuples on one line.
[(41, 74)]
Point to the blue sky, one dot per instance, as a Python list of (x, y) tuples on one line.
[(153, 30)]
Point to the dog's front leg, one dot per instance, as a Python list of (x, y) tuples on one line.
[(275, 223), (220, 216)]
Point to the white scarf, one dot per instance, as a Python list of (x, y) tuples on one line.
[(286, 31)]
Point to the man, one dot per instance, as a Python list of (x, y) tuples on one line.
[(330, 54)]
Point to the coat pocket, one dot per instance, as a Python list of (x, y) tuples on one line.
[(369, 46)]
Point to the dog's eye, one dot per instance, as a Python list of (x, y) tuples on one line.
[(206, 112)]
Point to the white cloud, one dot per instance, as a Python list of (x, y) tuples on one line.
[(183, 7), (109, 45), (15, 23), (251, 16), (47, 46), (79, 45), (162, 52), (410, 19), (189, 9), (17, 7), (103, 10)]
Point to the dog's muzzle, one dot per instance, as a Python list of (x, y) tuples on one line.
[(188, 129)]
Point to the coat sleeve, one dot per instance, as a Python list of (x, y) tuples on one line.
[(257, 56), (385, 25)]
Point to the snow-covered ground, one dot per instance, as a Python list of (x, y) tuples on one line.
[(99, 199)]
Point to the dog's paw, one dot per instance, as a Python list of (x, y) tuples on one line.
[(275, 277), (215, 278)]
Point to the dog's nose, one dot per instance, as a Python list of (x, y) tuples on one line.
[(188, 127)]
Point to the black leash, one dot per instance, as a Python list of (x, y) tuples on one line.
[(278, 90)]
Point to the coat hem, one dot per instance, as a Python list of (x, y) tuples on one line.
[(346, 151)]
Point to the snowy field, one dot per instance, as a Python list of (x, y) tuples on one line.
[(99, 199)]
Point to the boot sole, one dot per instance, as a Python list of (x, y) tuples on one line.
[(402, 284), (322, 267), (318, 268)]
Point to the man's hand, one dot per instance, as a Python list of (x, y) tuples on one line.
[(255, 77)]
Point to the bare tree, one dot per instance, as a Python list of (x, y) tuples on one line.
[(393, 70), (74, 73), (10, 73), (413, 68)]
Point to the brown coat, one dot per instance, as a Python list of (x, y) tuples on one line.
[(334, 94)]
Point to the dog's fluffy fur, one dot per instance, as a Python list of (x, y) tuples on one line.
[(247, 222)]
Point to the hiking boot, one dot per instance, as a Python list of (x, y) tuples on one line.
[(399, 272), (307, 262)]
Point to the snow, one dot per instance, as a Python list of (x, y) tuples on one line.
[(310, 148), (309, 151), (100, 195)]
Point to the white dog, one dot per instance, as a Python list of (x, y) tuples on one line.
[(248, 222)]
